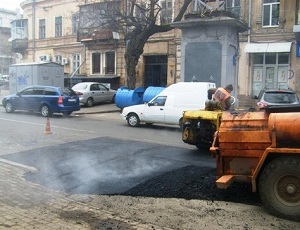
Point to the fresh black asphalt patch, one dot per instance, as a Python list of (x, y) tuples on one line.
[(122, 167)]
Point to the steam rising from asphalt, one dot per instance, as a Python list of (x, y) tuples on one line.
[(87, 174)]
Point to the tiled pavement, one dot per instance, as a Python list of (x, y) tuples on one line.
[(25, 205)]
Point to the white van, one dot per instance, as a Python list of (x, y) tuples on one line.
[(168, 106)]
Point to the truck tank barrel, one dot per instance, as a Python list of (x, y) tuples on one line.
[(285, 125)]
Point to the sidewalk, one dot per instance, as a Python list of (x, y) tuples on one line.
[(100, 108), (25, 205)]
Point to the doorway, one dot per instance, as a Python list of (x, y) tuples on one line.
[(156, 71)]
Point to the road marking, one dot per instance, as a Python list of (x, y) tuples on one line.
[(27, 167), (59, 127)]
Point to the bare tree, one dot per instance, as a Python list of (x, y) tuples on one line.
[(135, 20), (139, 22)]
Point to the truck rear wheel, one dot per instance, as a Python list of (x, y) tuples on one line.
[(279, 187)]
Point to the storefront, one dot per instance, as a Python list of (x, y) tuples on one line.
[(270, 65)]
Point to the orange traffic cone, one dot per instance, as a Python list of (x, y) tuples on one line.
[(48, 130)]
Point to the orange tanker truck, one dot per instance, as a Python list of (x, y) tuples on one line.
[(261, 148)]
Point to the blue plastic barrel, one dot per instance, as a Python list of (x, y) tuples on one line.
[(127, 97), (151, 92)]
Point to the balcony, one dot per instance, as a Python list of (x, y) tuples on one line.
[(19, 35), (94, 35), (96, 22), (19, 45)]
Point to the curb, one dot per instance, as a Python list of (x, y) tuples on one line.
[(95, 112)]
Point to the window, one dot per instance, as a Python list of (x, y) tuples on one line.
[(58, 26), (38, 91), (140, 11), (280, 97), (102, 88), (94, 87), (283, 58), (19, 29), (166, 14), (159, 101), (67, 92), (233, 6), (270, 58), (75, 63), (0, 21), (49, 92), (96, 63), (75, 23), (258, 58), (110, 62), (104, 63), (271, 12), (42, 28), (27, 92)]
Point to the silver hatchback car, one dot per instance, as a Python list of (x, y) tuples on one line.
[(91, 93), (276, 97)]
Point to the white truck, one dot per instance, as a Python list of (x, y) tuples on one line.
[(168, 106), (41, 73)]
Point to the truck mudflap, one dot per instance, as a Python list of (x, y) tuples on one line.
[(214, 149)]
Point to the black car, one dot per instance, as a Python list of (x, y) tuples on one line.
[(276, 97), (44, 99)]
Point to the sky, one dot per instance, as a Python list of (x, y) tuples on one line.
[(10, 4)]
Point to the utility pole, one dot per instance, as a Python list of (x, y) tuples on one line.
[(33, 30)]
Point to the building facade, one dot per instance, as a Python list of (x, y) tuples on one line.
[(7, 57), (60, 31), (267, 56), (268, 50)]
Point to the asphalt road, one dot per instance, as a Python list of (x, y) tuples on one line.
[(94, 154)]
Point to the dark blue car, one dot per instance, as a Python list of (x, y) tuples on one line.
[(44, 99)]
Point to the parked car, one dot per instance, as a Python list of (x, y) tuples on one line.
[(276, 97), (91, 93), (44, 99)]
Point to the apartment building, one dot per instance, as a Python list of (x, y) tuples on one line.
[(63, 32), (6, 55), (48, 32), (268, 54)]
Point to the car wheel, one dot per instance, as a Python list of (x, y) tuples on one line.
[(133, 120), (89, 102), (113, 99), (279, 186), (9, 107), (46, 111)]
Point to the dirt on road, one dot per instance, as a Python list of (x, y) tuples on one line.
[(188, 199)]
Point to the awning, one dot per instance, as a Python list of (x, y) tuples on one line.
[(277, 47)]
